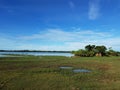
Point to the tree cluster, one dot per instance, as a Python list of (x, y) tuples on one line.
[(92, 50)]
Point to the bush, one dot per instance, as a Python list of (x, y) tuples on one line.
[(84, 53), (92, 50)]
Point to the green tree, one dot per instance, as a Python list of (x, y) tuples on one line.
[(84, 53), (112, 52), (91, 53), (100, 50), (92, 50), (89, 47)]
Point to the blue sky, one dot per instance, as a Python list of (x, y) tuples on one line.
[(59, 24)]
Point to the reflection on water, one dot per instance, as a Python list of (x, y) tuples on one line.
[(38, 53), (80, 70), (75, 70), (65, 67), (2, 55)]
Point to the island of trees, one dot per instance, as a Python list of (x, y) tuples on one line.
[(93, 50)]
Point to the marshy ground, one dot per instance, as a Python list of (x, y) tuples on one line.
[(44, 73)]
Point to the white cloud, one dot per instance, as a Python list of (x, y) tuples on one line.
[(7, 43), (66, 47), (50, 35), (94, 9), (61, 35), (49, 39), (71, 4)]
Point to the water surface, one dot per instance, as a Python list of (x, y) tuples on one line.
[(65, 67), (39, 53), (81, 70), (2, 55)]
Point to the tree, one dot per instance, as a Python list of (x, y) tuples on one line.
[(84, 53), (92, 50), (91, 53), (100, 50), (112, 53), (89, 47), (80, 52)]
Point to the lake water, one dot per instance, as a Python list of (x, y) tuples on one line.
[(38, 53)]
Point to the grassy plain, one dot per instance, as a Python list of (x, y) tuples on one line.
[(43, 73)]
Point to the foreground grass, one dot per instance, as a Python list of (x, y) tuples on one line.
[(43, 73)]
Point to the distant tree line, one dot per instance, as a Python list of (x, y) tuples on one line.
[(33, 51), (93, 50)]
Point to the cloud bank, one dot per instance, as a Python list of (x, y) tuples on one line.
[(59, 39)]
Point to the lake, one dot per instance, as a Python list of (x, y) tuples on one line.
[(38, 53)]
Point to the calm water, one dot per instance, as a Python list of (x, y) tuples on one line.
[(2, 55), (38, 53), (81, 70), (65, 67), (75, 70)]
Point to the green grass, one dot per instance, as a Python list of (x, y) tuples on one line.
[(43, 73)]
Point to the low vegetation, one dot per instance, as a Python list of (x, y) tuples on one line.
[(44, 73), (92, 50)]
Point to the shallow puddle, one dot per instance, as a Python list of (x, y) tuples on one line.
[(2, 55), (81, 70), (75, 70), (65, 67)]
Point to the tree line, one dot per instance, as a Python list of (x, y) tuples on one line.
[(34, 51), (93, 50)]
